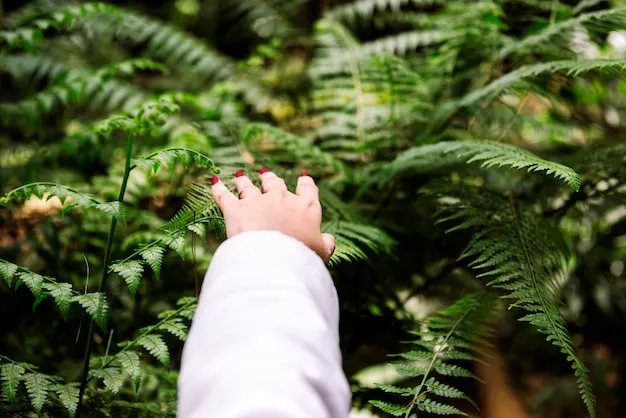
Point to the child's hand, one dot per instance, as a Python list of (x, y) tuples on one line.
[(298, 215)]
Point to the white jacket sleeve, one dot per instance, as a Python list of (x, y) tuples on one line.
[(264, 340)]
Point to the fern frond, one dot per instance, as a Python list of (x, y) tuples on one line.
[(153, 256), (170, 156), (68, 396), (162, 41), (354, 11), (354, 240), (41, 286), (63, 17), (110, 376), (37, 386), (131, 271), (286, 147), (572, 68), (155, 346), (523, 255), (450, 334), (526, 44), (429, 158), (96, 306), (131, 365), (69, 198), (11, 375), (516, 78), (260, 17)]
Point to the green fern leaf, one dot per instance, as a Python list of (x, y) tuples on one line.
[(199, 229), (33, 281), (131, 271), (96, 306), (154, 257), (37, 386), (7, 271), (433, 407), (68, 396), (175, 327), (169, 156), (155, 346), (114, 209), (395, 410), (130, 363), (11, 374), (177, 243), (111, 377), (553, 30), (62, 294), (429, 158)]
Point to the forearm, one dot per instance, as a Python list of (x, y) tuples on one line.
[(264, 342)]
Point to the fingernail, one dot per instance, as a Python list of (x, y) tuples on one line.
[(239, 173), (304, 174), (263, 170), (215, 180)]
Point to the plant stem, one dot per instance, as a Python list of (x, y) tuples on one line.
[(104, 277)]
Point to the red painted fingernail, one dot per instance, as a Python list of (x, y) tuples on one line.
[(239, 173), (263, 170), (215, 180), (304, 174)]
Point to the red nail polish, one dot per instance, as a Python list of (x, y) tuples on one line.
[(263, 170), (239, 173), (304, 174), (215, 180)]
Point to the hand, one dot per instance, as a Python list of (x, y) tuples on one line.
[(298, 215)]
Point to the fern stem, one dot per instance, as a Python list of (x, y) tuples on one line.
[(147, 331), (442, 345), (105, 276)]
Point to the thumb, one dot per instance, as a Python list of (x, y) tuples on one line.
[(329, 246)]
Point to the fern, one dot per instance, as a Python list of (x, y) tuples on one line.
[(69, 198), (366, 9), (551, 31), (354, 241), (131, 271), (11, 375), (29, 37), (96, 306), (43, 286), (37, 386), (68, 396), (169, 156), (429, 158), (110, 376), (153, 256), (131, 365), (451, 334), (522, 255)]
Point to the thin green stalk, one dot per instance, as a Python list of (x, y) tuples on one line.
[(104, 277)]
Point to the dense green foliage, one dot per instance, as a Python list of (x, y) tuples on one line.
[(501, 117)]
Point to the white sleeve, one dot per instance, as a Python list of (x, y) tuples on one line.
[(264, 341)]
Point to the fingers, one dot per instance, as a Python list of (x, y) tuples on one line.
[(306, 187), (271, 182), (244, 186), (329, 246), (224, 197)]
